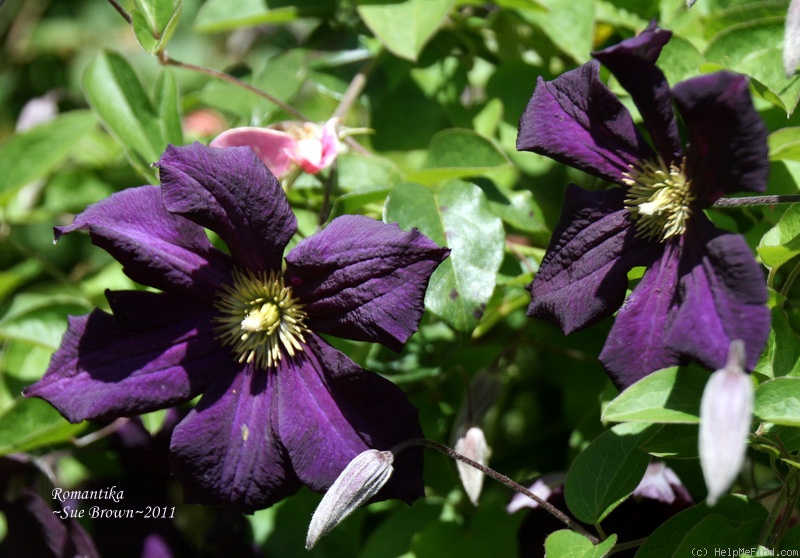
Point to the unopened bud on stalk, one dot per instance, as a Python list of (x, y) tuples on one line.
[(472, 444), (363, 477), (726, 416)]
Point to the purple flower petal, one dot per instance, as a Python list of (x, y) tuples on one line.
[(723, 298), (105, 368), (583, 277), (34, 529), (703, 293), (633, 63), (727, 151), (635, 346), (156, 248), (225, 451), (363, 279), (576, 120), (345, 411), (231, 192)]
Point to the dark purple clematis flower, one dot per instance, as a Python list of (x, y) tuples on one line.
[(280, 407), (702, 288)]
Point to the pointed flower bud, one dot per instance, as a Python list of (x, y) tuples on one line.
[(791, 38), (726, 415), (472, 444), (363, 477)]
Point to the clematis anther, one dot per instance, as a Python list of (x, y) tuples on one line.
[(702, 287), (280, 408), (288, 146)]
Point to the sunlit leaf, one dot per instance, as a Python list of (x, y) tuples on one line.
[(34, 154), (404, 26), (778, 401), (154, 21), (457, 216), (671, 395), (31, 423), (569, 544)]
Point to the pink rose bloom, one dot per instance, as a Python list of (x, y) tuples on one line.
[(289, 145)]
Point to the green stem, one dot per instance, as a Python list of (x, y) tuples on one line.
[(557, 513)]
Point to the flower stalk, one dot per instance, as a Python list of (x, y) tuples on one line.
[(499, 477)]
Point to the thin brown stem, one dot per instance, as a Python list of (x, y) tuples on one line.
[(121, 11), (355, 88), (756, 200), (107, 430), (165, 59), (499, 477)]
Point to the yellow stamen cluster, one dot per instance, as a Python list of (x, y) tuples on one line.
[(260, 318), (659, 199)]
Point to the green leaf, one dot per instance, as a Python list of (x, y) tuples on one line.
[(673, 440), (570, 25), (226, 15), (754, 48), (782, 242), (736, 511), (784, 144), (569, 544), (119, 100), (31, 423), (361, 173), (606, 472), (34, 154), (791, 539), (778, 401), (782, 356), (671, 395), (404, 26), (357, 202), (282, 75), (679, 60), (154, 21), (167, 102), (715, 531), (456, 215), (458, 153)]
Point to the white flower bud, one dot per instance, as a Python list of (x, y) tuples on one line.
[(472, 444), (791, 38), (363, 477), (726, 416)]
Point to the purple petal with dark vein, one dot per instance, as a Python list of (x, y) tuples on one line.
[(723, 297), (363, 279), (633, 63), (156, 248), (106, 369), (583, 276), (330, 410), (727, 150), (34, 529), (576, 120), (635, 346), (231, 192), (226, 452)]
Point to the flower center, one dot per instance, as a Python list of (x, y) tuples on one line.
[(659, 199), (260, 318)]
